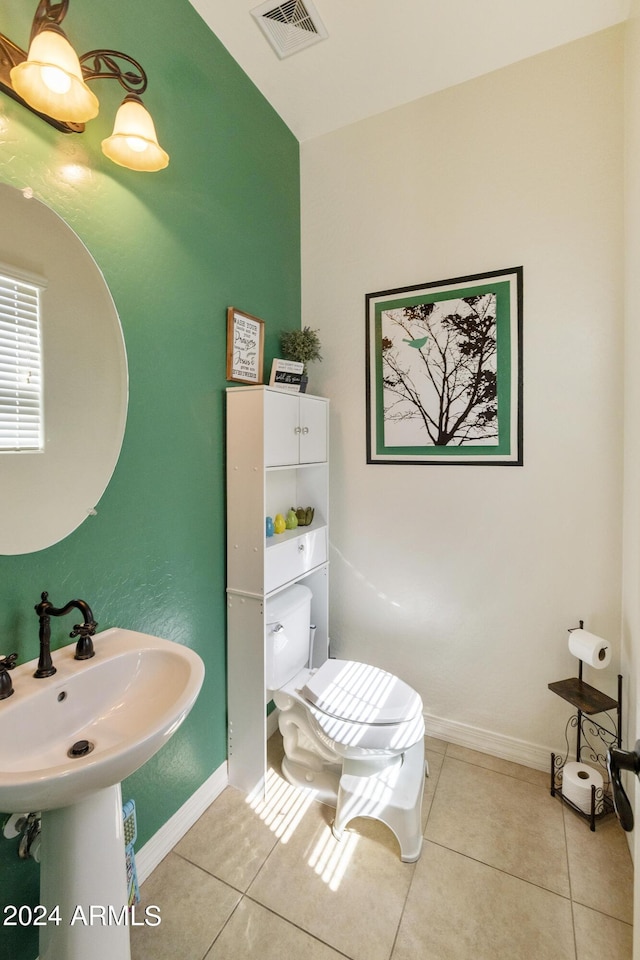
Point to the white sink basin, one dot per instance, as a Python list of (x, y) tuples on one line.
[(127, 701)]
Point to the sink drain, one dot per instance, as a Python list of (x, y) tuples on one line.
[(80, 748)]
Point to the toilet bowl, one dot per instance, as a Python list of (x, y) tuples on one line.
[(351, 732)]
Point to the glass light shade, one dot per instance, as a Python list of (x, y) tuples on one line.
[(134, 143), (50, 79)]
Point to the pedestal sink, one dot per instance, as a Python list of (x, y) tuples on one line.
[(66, 743)]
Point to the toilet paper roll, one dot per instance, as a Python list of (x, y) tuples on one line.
[(591, 649), (577, 780)]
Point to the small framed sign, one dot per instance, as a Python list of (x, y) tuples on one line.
[(245, 347), (286, 375)]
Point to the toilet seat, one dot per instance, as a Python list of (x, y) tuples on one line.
[(357, 709), (359, 692)]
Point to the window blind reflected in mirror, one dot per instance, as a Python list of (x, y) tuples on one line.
[(21, 406)]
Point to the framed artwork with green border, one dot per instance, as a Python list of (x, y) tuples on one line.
[(444, 371)]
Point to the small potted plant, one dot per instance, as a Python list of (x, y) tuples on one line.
[(302, 346)]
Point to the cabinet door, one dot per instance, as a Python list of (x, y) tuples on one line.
[(280, 429), (313, 430)]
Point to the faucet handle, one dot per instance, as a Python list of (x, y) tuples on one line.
[(6, 663), (84, 646), (84, 629)]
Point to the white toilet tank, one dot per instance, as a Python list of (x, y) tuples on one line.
[(288, 617)]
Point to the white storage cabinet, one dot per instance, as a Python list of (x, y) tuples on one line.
[(277, 446)]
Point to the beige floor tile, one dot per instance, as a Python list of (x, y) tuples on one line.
[(507, 767), (599, 936), (600, 866), (350, 894), (230, 840), (460, 909), (435, 745), (193, 907), (492, 884), (254, 933), (504, 822)]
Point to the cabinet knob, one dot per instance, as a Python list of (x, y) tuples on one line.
[(301, 548), (305, 431), (297, 430)]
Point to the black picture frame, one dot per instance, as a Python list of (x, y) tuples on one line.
[(444, 371)]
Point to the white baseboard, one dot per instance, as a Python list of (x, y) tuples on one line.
[(165, 839), (486, 741)]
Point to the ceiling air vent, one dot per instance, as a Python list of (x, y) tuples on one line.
[(290, 26)]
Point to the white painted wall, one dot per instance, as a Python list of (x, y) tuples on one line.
[(464, 579), (631, 541)]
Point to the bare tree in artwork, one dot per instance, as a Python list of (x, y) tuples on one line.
[(439, 372)]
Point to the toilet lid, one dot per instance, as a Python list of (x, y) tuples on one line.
[(360, 693)]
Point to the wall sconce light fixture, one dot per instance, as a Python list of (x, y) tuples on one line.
[(51, 81)]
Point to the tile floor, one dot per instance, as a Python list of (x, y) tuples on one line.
[(507, 873)]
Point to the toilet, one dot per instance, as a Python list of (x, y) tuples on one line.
[(352, 732)]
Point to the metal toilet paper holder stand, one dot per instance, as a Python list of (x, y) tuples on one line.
[(594, 739)]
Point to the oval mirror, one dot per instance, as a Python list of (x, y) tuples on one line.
[(46, 494)]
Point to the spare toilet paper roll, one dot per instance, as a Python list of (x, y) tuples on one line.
[(591, 649), (577, 780)]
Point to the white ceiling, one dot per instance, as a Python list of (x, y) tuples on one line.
[(382, 53)]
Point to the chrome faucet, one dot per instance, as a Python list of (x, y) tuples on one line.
[(85, 631)]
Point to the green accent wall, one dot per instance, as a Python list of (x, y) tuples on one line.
[(220, 226)]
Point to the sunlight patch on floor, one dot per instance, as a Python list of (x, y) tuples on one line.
[(330, 857), (281, 806)]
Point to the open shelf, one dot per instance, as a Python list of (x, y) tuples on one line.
[(583, 696), (298, 531)]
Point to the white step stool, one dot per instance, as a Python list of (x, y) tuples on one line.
[(392, 794)]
